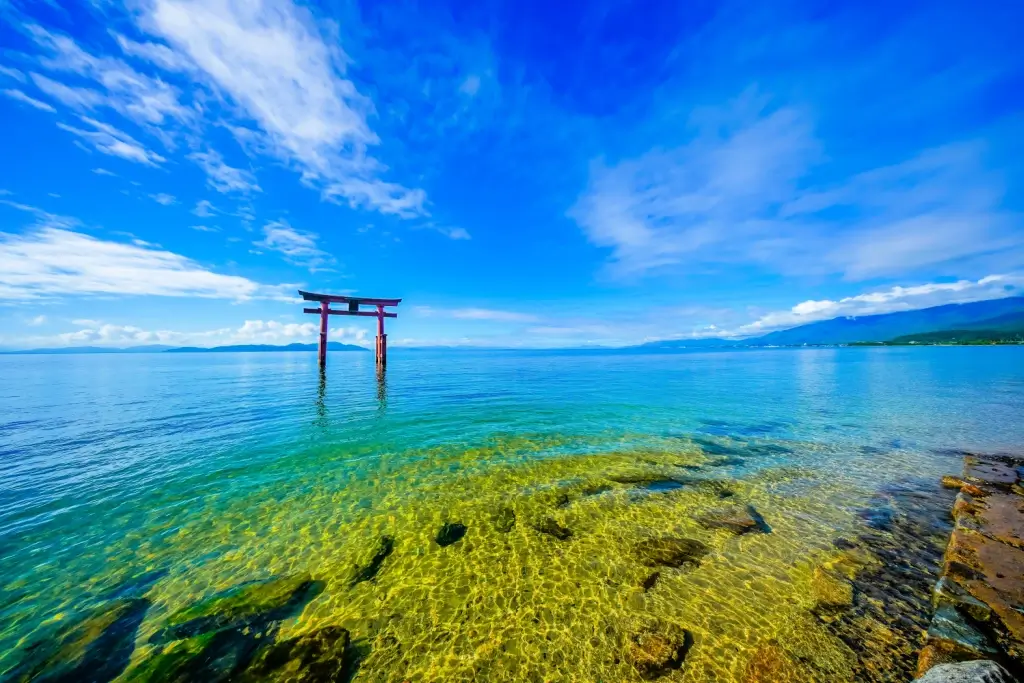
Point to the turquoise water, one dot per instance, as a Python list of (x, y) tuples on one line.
[(215, 469)]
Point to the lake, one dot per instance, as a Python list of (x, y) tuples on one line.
[(559, 486)]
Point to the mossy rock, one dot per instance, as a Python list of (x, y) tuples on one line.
[(671, 552), (551, 527), (95, 648), (319, 657), (252, 605), (211, 658), (657, 651), (831, 590), (368, 571), (504, 519)]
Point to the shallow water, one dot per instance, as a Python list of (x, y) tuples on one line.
[(217, 469)]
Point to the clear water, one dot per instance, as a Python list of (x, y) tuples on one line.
[(223, 468)]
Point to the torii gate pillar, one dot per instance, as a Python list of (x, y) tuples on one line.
[(354, 303)]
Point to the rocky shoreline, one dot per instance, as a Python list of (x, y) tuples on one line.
[(978, 601)]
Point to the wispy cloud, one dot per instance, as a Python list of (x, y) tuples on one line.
[(109, 140), (31, 101), (222, 177), (37, 321), (889, 301), (270, 58), (204, 228), (492, 314), (103, 171), (163, 198), (740, 192), (297, 246), (48, 262), (204, 208), (12, 73)]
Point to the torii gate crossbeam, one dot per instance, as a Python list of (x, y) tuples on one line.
[(353, 304)]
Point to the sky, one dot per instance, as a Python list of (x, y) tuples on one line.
[(520, 173)]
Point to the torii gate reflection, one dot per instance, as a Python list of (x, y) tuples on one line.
[(354, 302)]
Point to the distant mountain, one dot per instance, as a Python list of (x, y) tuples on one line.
[(674, 344), (331, 346), (877, 328), (152, 348)]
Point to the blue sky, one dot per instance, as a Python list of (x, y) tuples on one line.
[(521, 173)]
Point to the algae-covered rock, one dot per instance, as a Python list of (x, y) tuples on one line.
[(671, 552), (211, 657), (980, 671), (252, 605), (504, 519), (831, 591), (738, 520), (451, 532), (657, 651), (551, 527), (368, 571), (772, 664), (318, 657), (95, 648)]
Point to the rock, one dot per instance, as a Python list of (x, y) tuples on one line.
[(737, 520), (951, 482), (671, 552), (211, 657), (385, 546), (831, 591), (772, 664), (982, 671), (989, 470), (595, 489), (551, 527), (959, 638), (655, 653), (504, 519), (649, 582), (251, 605), (96, 648), (318, 657), (948, 593), (451, 532)]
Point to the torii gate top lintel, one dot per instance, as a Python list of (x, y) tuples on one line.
[(354, 302)]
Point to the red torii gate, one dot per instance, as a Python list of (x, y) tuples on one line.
[(354, 302)]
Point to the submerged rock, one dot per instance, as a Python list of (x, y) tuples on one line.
[(595, 489), (95, 648), (772, 664), (737, 520), (551, 527), (671, 552), (981, 671), (250, 605), (831, 591), (451, 532), (318, 657), (385, 546), (504, 519), (657, 652), (651, 580), (211, 658)]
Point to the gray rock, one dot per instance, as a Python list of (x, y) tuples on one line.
[(980, 671)]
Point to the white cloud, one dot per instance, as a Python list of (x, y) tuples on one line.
[(53, 261), (163, 198), (224, 178), (98, 333), (298, 247), (109, 140), (204, 228), (37, 321), (740, 192), (494, 315), (270, 58), (204, 209), (12, 73), (155, 53), (103, 171), (31, 101), (76, 98), (889, 301)]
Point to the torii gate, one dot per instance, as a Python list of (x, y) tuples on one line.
[(354, 302)]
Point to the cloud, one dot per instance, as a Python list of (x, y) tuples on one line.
[(470, 86), (37, 321), (271, 59), (155, 53), (77, 98), (109, 140), (491, 314), (204, 228), (103, 171), (298, 247), (163, 198), (204, 209), (741, 191), (889, 301), (31, 101), (224, 178), (98, 333), (48, 262), (12, 73)]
